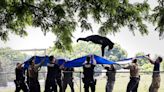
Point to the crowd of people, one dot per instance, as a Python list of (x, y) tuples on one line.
[(55, 79)]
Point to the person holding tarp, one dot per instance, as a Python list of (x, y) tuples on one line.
[(134, 76), (20, 78), (156, 74), (68, 78), (51, 84), (33, 69), (53, 76), (111, 73), (88, 72)]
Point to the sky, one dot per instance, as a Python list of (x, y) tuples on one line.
[(132, 44)]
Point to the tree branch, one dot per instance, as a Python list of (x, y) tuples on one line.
[(29, 5)]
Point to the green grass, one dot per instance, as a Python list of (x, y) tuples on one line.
[(122, 80)]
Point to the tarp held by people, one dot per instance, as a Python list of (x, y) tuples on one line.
[(78, 62)]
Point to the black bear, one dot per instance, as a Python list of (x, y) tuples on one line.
[(99, 40)]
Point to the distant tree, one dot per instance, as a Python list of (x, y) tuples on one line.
[(147, 67), (9, 58), (61, 17), (3, 81), (117, 53), (144, 63)]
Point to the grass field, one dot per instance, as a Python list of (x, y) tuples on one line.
[(122, 80)]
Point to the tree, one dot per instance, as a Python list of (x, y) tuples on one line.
[(9, 58), (61, 17), (3, 82), (142, 61), (117, 53), (158, 17)]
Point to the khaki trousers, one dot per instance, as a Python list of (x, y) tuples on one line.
[(155, 84)]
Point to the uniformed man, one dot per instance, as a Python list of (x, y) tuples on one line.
[(20, 78), (134, 76), (88, 72), (111, 73), (53, 76), (156, 74), (58, 76), (51, 84), (68, 78), (33, 69)]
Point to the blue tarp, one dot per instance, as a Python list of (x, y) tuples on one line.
[(38, 59), (128, 60), (79, 61), (71, 63), (131, 58), (76, 62)]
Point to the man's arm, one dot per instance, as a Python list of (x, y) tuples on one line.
[(150, 60), (62, 66), (112, 67), (19, 66), (127, 67), (73, 69), (130, 65), (41, 63), (84, 62), (105, 67), (94, 61), (50, 65)]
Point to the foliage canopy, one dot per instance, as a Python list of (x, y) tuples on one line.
[(61, 17), (158, 17)]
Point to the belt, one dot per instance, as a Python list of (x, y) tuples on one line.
[(134, 76), (156, 75)]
